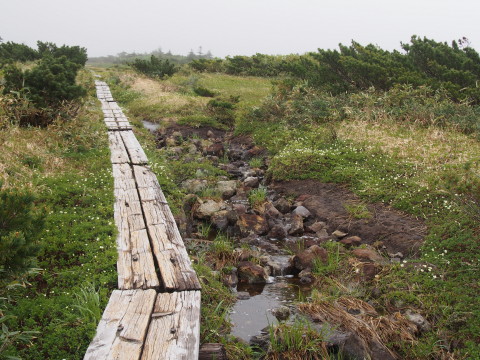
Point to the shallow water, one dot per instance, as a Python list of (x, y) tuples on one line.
[(150, 125)]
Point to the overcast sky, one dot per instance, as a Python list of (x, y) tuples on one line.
[(233, 27)]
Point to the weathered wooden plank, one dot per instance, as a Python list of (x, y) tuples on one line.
[(174, 332), (124, 325), (175, 267), (135, 151), (118, 152), (135, 265)]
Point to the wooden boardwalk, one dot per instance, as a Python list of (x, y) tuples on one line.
[(155, 313)]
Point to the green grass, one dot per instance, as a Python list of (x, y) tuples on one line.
[(257, 197)]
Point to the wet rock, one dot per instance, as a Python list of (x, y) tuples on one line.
[(208, 208), (282, 313), (417, 319), (368, 255), (306, 277), (273, 267), (251, 273), (296, 225), (230, 279), (232, 217), (351, 241), (251, 223), (277, 232), (242, 254), (210, 134), (261, 341), (220, 219), (282, 205), (235, 154), (304, 259), (194, 185), (251, 182), (339, 234), (243, 295), (398, 255), (227, 188), (302, 211), (216, 149), (323, 235)]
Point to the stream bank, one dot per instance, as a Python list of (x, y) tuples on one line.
[(273, 243)]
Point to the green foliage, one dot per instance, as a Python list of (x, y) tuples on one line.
[(20, 223), (12, 52), (75, 54), (10, 338), (155, 67), (297, 341), (88, 304), (333, 260), (222, 109), (257, 197), (207, 65)]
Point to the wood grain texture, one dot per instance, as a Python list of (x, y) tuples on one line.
[(176, 270), (118, 152), (135, 151), (135, 265), (174, 332), (123, 327)]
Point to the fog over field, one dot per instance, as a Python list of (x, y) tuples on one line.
[(236, 26)]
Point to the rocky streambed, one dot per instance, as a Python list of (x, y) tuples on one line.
[(281, 237)]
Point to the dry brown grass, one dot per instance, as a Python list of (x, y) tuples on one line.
[(360, 318)]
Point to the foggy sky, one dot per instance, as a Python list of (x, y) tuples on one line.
[(234, 27)]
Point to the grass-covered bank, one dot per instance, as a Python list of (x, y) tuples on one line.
[(412, 149), (415, 151), (66, 168)]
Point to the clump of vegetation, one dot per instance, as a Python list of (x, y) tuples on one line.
[(201, 91), (155, 67), (46, 92), (222, 109), (257, 197)]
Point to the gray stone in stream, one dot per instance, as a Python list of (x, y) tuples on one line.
[(210, 134), (251, 182), (227, 188), (261, 341), (235, 154), (220, 219), (282, 313), (231, 279), (240, 208), (192, 149), (208, 208), (422, 323), (368, 255), (296, 225), (282, 205), (302, 211), (216, 149), (194, 185)]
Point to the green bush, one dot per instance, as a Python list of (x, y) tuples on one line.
[(201, 91), (155, 67), (20, 224)]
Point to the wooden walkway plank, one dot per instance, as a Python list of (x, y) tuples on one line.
[(123, 327), (118, 152), (174, 332), (135, 265), (176, 270), (135, 151)]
